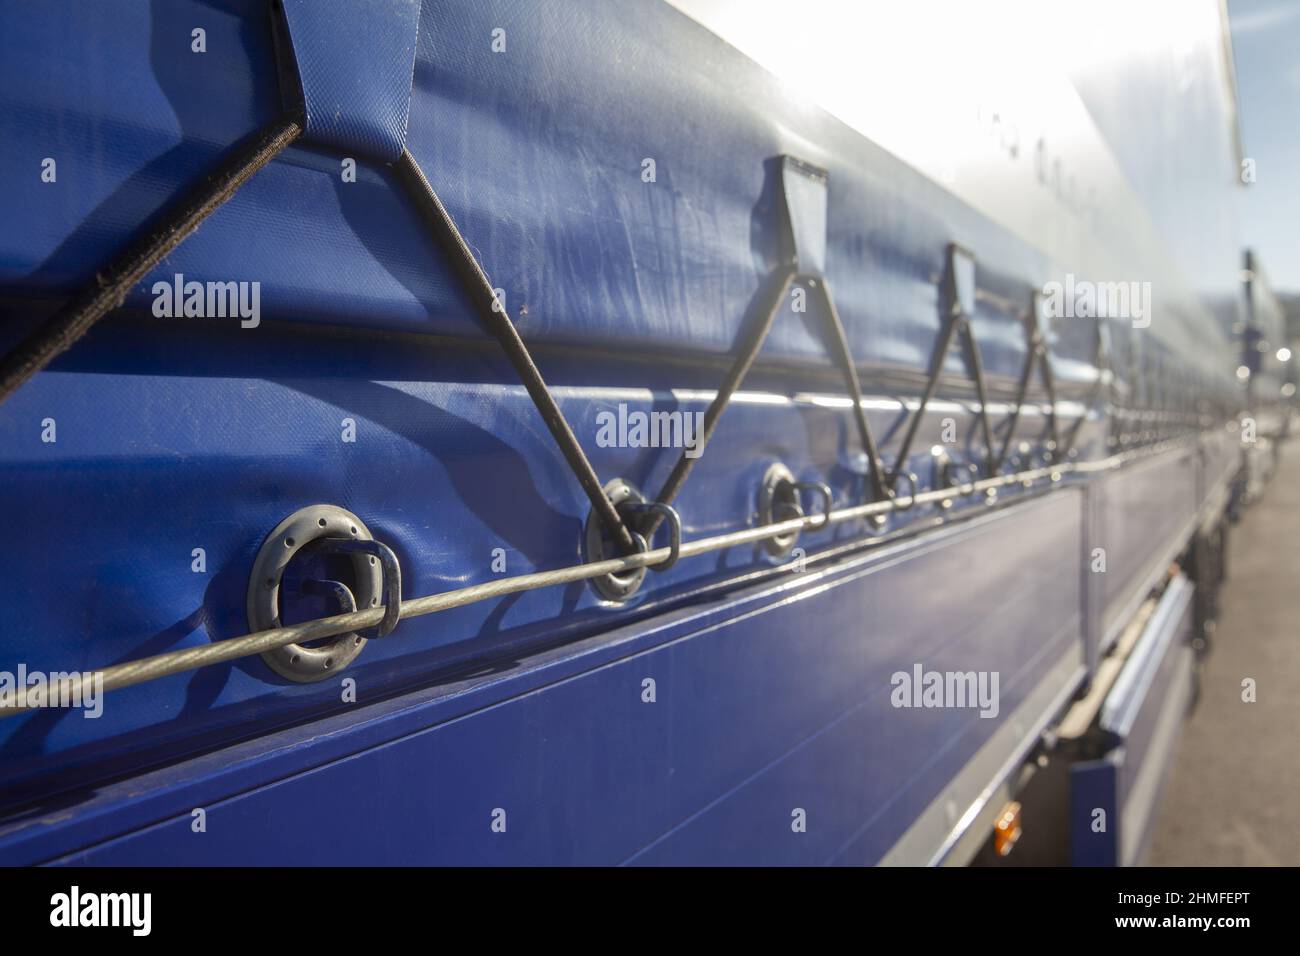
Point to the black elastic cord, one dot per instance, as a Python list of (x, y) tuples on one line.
[(1036, 354), (932, 382), (1022, 390), (957, 321), (977, 372), (847, 365), (492, 313), (740, 365), (1049, 383), (779, 283), (166, 230)]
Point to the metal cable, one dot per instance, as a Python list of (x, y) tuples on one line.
[(493, 315), (165, 232), (174, 662)]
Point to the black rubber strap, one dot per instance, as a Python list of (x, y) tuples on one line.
[(755, 335), (1036, 354), (778, 284), (932, 382), (1022, 389), (1049, 383), (957, 322), (166, 230), (981, 393), (841, 345), (492, 313)]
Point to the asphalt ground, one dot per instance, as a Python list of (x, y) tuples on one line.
[(1233, 794)]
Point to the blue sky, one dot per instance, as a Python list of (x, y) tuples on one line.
[(1266, 47)]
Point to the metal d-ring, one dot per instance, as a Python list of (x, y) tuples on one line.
[(640, 510), (912, 481), (376, 551), (828, 498)]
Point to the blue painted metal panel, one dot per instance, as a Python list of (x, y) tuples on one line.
[(1144, 711), (1145, 509), (1094, 813)]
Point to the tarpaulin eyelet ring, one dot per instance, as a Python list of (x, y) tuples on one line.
[(617, 585), (778, 500), (308, 528)]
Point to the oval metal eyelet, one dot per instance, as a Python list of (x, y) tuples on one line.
[(778, 500), (617, 585), (309, 528)]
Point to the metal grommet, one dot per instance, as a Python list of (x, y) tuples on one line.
[(778, 500), (620, 585), (307, 527)]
